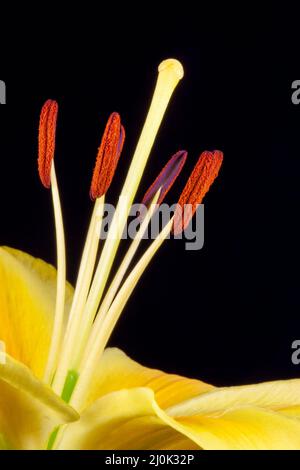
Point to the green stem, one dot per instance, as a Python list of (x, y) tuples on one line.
[(70, 382), (68, 389)]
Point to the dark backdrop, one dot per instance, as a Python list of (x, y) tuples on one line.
[(226, 314)]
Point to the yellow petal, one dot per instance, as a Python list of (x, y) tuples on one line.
[(117, 371), (131, 419), (27, 302), (29, 410), (246, 428), (127, 419), (259, 416), (173, 412), (281, 395)]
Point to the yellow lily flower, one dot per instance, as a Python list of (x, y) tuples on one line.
[(60, 387)]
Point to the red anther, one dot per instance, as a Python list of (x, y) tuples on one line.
[(199, 182), (108, 156), (47, 131)]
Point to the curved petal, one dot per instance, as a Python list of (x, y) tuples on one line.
[(117, 371), (29, 410), (246, 428), (27, 303), (172, 412), (125, 420), (281, 395), (131, 420), (259, 416)]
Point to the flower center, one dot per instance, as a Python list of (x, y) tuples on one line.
[(74, 357), (75, 351)]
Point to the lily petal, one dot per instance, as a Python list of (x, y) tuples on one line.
[(246, 428), (262, 416), (131, 419), (27, 303), (117, 371), (127, 419), (29, 410), (280, 395)]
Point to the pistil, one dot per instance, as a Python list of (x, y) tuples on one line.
[(170, 73)]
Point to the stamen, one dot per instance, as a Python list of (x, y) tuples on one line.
[(166, 177), (108, 156), (83, 282), (199, 182), (153, 197), (61, 282), (47, 131), (117, 280), (170, 72), (106, 162), (93, 353)]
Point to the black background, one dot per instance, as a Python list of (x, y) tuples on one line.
[(226, 314)]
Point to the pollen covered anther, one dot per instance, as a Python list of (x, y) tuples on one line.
[(108, 156), (199, 182), (46, 144)]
